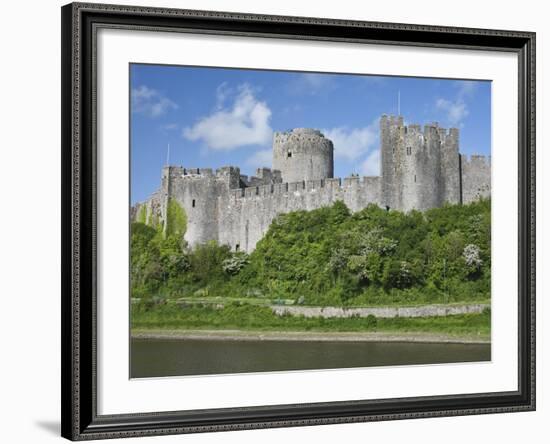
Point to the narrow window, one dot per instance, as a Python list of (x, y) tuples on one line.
[(409, 150), (193, 203), (237, 247), (415, 177), (289, 154)]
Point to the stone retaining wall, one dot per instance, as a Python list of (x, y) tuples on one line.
[(379, 312)]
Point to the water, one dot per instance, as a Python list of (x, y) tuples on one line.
[(179, 357)]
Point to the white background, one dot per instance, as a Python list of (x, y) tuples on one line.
[(30, 222)]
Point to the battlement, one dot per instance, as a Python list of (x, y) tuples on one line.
[(413, 129), (180, 171), (301, 139), (226, 170), (429, 130), (305, 186), (391, 120), (475, 160), (176, 172), (298, 132), (264, 176)]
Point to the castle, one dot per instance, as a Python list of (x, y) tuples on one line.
[(420, 169)]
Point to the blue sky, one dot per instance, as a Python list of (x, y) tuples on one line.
[(213, 117)]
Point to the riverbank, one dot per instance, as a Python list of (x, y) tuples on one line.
[(240, 335), (250, 318)]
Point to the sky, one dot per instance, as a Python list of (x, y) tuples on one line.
[(212, 117)]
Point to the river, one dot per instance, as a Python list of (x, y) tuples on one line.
[(180, 357)]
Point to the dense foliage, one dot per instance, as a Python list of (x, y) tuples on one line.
[(326, 256)]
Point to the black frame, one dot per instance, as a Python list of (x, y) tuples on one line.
[(80, 420)]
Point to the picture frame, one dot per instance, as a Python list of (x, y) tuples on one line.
[(81, 175)]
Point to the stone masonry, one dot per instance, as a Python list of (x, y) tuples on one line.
[(420, 169)]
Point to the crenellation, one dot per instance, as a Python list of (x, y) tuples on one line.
[(172, 171), (333, 183), (478, 160), (237, 193), (431, 128), (421, 168), (206, 171), (351, 181), (191, 171), (414, 129), (250, 192)]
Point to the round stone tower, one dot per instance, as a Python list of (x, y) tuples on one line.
[(303, 154)]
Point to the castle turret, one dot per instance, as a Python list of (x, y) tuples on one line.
[(420, 168), (303, 154)]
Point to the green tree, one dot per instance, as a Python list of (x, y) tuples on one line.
[(235, 263), (206, 262)]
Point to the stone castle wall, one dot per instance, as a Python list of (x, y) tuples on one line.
[(239, 217), (246, 215), (421, 169), (476, 177)]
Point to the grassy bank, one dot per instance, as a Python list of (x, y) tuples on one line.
[(256, 318), (386, 302)]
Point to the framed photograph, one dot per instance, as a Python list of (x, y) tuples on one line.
[(278, 221)]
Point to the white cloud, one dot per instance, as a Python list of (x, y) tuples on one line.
[(352, 143), (371, 165), (466, 88), (222, 93), (245, 122), (456, 111), (150, 102), (262, 158)]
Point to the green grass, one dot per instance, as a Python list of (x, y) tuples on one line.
[(389, 302), (257, 318)]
